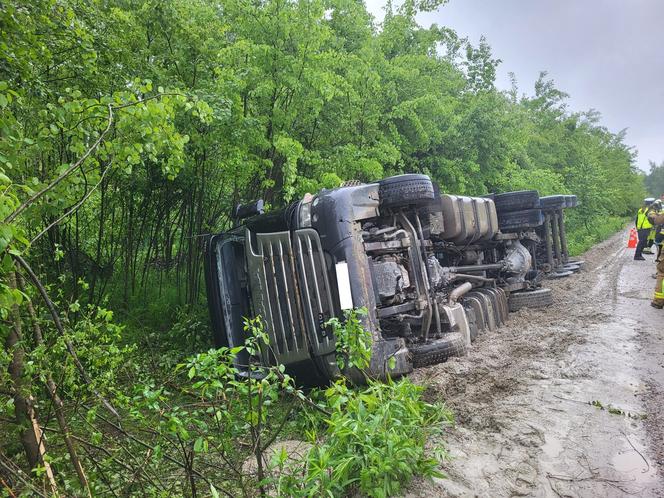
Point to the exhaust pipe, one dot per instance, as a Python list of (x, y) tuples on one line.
[(459, 291)]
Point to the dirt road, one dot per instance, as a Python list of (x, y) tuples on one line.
[(525, 422)]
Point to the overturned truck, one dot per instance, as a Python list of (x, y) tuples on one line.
[(432, 270)]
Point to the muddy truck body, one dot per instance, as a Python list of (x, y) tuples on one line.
[(432, 270)]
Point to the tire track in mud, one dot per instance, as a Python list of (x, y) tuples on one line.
[(523, 423)]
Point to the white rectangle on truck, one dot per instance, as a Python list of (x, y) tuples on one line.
[(343, 284)]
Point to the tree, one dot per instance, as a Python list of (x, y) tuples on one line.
[(654, 181)]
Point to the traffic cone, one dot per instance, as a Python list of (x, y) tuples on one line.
[(633, 239)]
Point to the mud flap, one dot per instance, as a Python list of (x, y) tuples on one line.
[(456, 316), (489, 306)]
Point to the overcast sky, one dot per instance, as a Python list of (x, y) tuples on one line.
[(607, 54)]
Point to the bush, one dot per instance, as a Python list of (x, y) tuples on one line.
[(582, 234), (353, 341), (374, 441)]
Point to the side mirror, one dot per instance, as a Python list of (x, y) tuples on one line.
[(243, 211)]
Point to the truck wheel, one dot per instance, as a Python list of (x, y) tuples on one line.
[(530, 299), (560, 273), (518, 220), (405, 190), (452, 344), (516, 201), (545, 267)]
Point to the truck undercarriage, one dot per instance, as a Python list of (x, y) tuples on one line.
[(432, 270)]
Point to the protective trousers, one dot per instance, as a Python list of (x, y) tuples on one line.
[(643, 240), (651, 238), (659, 286)]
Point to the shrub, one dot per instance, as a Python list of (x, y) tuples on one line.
[(374, 441), (582, 234), (353, 341)]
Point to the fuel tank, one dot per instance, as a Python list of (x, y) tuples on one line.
[(466, 220)]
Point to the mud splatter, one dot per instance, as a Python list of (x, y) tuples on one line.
[(524, 425)]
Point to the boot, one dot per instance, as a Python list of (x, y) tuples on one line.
[(658, 298), (639, 258)]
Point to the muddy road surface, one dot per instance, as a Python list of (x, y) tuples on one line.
[(563, 401)]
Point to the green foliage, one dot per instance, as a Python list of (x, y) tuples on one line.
[(545, 181), (584, 234), (353, 341), (655, 179), (211, 107), (375, 441), (129, 130)]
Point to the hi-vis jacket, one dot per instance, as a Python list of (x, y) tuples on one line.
[(642, 219)]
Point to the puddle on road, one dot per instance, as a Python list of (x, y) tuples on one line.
[(633, 462), (638, 294)]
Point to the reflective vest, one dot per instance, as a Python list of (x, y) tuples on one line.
[(642, 221)]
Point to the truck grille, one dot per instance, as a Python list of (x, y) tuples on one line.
[(291, 292)]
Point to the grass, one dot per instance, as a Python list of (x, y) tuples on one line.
[(583, 234)]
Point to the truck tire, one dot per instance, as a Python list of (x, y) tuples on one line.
[(516, 201), (553, 202), (452, 344), (571, 201), (559, 273), (405, 190), (530, 299), (518, 220)]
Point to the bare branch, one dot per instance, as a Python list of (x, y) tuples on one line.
[(74, 208)]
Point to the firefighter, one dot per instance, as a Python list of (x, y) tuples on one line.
[(657, 218), (652, 236), (658, 206), (658, 231), (643, 227)]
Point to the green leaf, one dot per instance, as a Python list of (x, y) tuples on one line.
[(198, 445)]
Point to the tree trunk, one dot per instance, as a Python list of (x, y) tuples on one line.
[(21, 385)]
